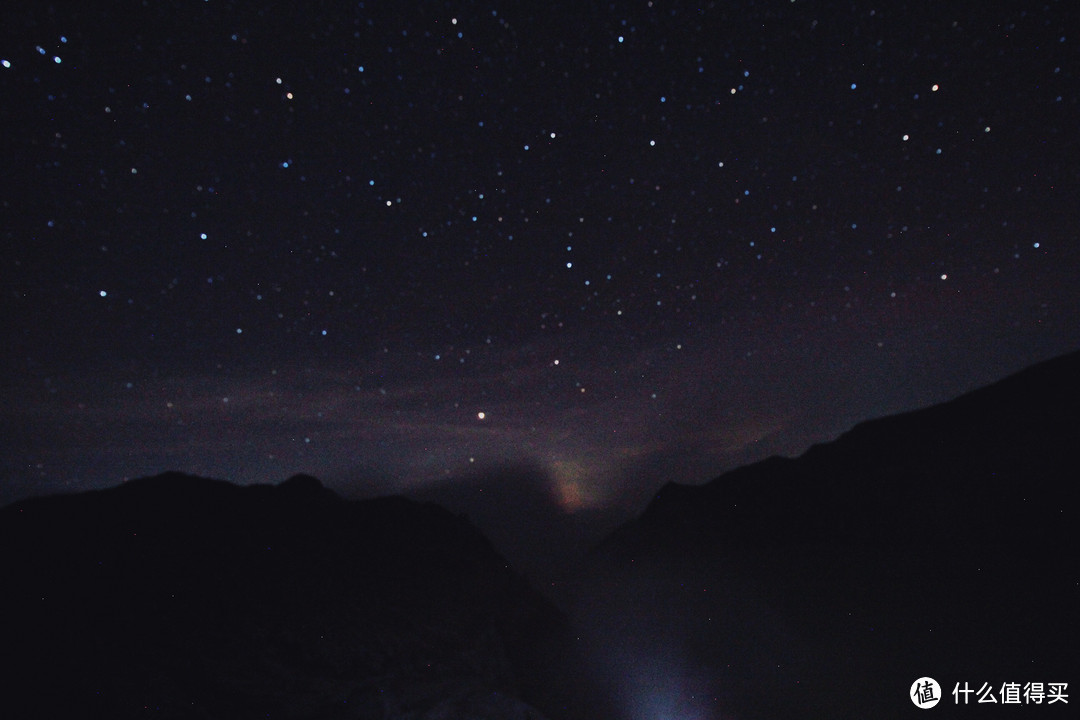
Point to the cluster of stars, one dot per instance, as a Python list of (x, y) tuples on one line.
[(403, 191)]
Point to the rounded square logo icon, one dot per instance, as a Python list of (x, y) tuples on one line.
[(925, 693)]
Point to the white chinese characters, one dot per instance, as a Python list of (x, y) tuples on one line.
[(1013, 693)]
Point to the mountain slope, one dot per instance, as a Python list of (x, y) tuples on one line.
[(177, 596), (982, 467), (941, 542)]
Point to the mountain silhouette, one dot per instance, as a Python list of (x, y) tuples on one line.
[(992, 464), (178, 596), (941, 542)]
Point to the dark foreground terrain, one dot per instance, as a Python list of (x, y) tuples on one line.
[(943, 543), (939, 543), (182, 597)]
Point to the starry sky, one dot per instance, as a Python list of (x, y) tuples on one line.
[(607, 244)]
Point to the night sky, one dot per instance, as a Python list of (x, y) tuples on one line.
[(610, 245)]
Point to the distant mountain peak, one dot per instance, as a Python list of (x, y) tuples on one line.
[(302, 485), (182, 592), (997, 462)]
